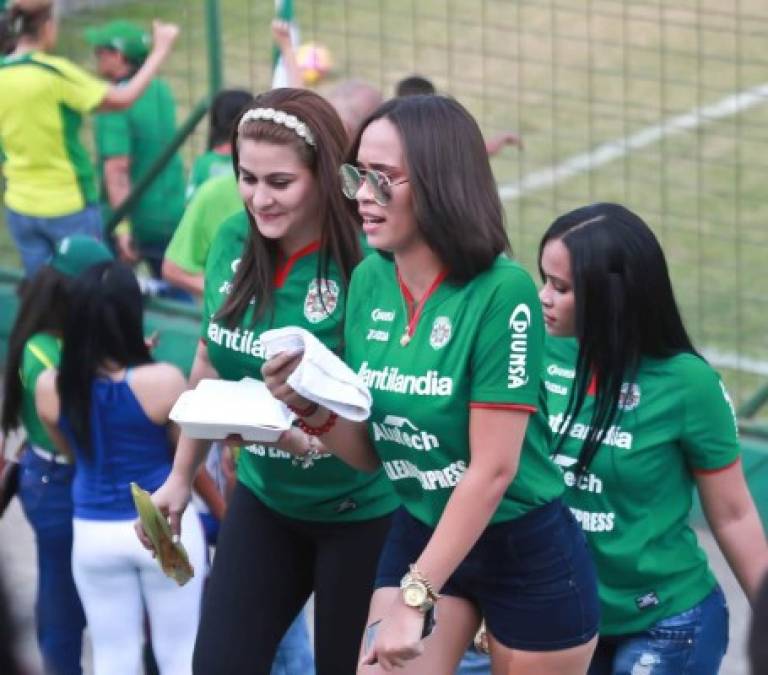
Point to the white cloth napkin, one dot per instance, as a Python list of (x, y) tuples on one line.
[(321, 376)]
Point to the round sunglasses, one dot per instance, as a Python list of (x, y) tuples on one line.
[(379, 183)]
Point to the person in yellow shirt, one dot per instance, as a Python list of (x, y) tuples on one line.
[(50, 189)]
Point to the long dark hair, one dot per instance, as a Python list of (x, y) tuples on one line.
[(104, 324), (225, 111), (44, 301), (339, 238), (625, 309), (455, 198), (23, 18)]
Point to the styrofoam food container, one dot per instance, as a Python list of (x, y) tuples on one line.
[(216, 409)]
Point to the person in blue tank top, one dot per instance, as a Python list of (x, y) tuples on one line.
[(108, 406)]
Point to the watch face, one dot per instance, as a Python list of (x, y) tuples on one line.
[(414, 595)]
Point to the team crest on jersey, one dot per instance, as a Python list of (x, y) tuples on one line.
[(629, 396), (441, 332), (321, 302)]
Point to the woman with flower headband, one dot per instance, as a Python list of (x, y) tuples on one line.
[(446, 331), (292, 527)]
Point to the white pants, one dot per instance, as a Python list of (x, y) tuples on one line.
[(117, 578)]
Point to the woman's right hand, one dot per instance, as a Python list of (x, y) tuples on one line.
[(171, 498), (276, 372)]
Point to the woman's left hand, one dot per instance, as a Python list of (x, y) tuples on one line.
[(398, 639), (276, 372)]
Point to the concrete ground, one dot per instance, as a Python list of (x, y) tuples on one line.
[(17, 560)]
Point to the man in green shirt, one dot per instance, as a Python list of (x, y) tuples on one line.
[(213, 203), (129, 142)]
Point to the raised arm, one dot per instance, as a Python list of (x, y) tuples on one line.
[(125, 95)]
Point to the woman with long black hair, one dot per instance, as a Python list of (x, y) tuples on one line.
[(45, 482), (109, 407), (640, 420)]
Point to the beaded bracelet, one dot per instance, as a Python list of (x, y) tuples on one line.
[(324, 428), (310, 410)]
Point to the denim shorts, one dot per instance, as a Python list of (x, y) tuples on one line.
[(690, 643), (532, 578)]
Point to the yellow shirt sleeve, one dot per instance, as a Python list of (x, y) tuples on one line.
[(77, 88)]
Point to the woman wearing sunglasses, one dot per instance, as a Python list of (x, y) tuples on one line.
[(292, 527), (640, 420), (447, 333)]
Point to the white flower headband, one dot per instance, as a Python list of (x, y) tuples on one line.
[(279, 117)]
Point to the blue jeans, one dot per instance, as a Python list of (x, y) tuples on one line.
[(45, 491), (690, 643), (294, 653), (474, 663), (36, 238)]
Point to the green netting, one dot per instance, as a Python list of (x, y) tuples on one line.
[(662, 106)]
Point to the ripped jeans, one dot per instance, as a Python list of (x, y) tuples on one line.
[(690, 643)]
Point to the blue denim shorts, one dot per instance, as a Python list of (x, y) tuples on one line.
[(532, 578), (690, 643)]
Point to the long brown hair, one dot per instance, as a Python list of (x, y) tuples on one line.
[(339, 238)]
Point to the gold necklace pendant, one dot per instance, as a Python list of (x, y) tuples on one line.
[(405, 339)]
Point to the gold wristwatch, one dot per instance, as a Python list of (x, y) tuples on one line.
[(417, 591)]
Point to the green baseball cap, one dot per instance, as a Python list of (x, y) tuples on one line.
[(78, 252), (130, 40)]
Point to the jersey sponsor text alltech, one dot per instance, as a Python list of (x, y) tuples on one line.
[(519, 322), (402, 431), (391, 379)]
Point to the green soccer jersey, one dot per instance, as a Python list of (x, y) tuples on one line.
[(215, 202), (475, 345), (141, 132), (676, 419), (329, 490), (41, 352), (209, 165)]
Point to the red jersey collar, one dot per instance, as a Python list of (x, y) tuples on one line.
[(282, 270)]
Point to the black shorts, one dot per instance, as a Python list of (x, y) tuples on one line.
[(532, 578)]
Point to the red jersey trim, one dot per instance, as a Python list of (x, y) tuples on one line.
[(709, 472), (504, 406), (282, 271)]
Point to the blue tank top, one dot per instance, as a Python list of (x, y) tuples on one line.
[(125, 446)]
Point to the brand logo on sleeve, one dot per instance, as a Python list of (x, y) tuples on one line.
[(391, 379), (321, 300), (402, 431), (519, 323), (441, 332), (557, 371)]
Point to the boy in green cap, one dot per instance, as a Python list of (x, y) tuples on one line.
[(128, 143)]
